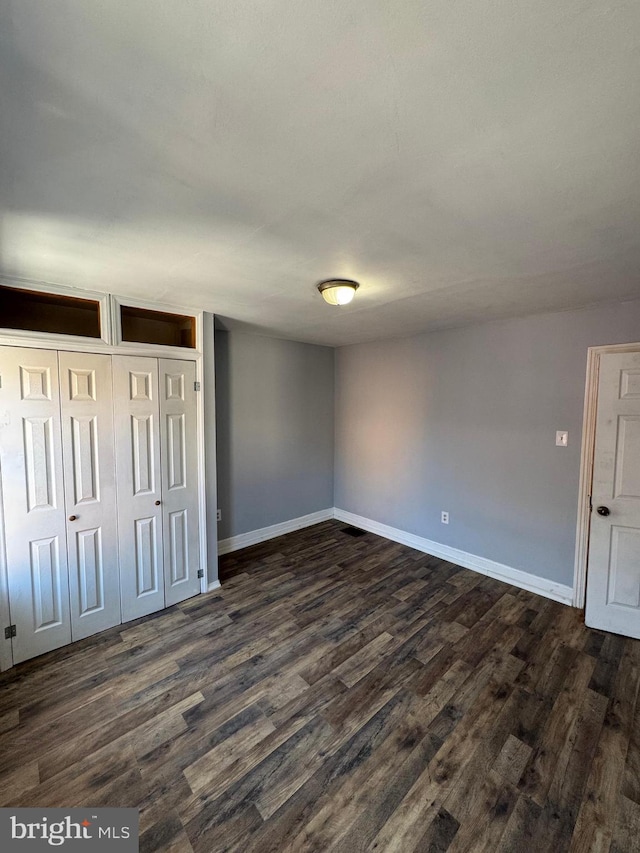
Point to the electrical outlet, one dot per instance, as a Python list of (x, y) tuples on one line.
[(444, 517), (562, 438), (219, 515)]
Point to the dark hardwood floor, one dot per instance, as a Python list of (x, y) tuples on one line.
[(339, 694)]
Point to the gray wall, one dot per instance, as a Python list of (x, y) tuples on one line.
[(465, 421), (275, 429)]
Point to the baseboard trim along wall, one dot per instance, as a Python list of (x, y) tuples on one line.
[(523, 580), (253, 537), (213, 585)]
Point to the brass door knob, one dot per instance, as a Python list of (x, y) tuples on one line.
[(157, 503), (73, 517)]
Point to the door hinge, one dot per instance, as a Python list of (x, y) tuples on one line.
[(9, 632), (196, 386), (200, 573), (590, 504)]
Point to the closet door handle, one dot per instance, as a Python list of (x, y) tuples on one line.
[(157, 503), (73, 517)]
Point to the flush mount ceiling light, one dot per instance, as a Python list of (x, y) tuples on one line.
[(338, 291)]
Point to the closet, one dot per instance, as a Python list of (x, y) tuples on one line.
[(157, 473), (100, 494)]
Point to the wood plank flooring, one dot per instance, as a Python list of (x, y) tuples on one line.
[(339, 694)]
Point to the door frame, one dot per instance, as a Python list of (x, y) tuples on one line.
[(583, 525), (6, 649)]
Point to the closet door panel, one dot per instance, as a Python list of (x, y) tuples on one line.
[(90, 491), (178, 435), (139, 489), (33, 496)]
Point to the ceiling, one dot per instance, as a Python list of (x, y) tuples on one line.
[(464, 160)]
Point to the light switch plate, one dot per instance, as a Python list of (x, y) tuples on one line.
[(562, 438)]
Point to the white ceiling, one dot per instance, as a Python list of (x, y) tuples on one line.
[(463, 159)]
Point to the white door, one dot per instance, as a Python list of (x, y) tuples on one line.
[(139, 485), (613, 575), (178, 438), (89, 484), (33, 495)]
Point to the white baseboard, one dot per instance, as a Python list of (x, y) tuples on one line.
[(523, 580), (213, 585), (235, 543), (507, 574)]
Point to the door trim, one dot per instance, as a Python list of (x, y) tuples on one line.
[(6, 646), (586, 465)]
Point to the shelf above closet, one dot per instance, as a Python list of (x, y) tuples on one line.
[(53, 313), (144, 326)]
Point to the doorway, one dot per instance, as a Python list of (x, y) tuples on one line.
[(607, 570)]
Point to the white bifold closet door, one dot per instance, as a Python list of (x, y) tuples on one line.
[(33, 498), (179, 453), (156, 451), (90, 490), (137, 427), (59, 507)]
